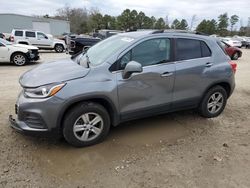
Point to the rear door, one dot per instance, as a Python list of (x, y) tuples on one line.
[(148, 92), (193, 63), (31, 37)]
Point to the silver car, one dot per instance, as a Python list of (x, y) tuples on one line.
[(127, 76)]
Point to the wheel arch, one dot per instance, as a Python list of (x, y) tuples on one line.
[(105, 102), (223, 84), (17, 52)]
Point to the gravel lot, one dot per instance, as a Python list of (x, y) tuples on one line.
[(174, 150)]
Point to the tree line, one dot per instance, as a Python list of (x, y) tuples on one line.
[(86, 21)]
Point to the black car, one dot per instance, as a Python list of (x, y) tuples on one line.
[(105, 33), (79, 43)]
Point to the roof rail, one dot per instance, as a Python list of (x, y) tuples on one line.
[(178, 31)]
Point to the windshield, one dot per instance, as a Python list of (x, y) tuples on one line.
[(104, 49), (5, 42)]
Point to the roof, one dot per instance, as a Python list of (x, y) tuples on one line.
[(39, 18), (183, 33)]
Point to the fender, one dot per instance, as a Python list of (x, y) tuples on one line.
[(114, 115)]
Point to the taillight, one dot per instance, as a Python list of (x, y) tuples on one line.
[(233, 65), (11, 38)]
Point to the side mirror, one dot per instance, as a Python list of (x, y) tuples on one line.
[(131, 67), (46, 37), (85, 48)]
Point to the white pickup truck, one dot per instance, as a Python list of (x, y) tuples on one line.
[(38, 39)]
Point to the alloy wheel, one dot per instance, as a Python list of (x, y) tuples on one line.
[(215, 102), (88, 126), (19, 60)]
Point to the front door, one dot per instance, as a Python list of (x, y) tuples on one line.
[(4, 57), (44, 40), (150, 91)]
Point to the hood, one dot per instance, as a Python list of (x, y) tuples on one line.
[(59, 40), (28, 47), (53, 72)]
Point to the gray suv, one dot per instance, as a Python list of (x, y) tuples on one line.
[(127, 76)]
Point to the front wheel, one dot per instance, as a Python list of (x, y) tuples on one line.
[(19, 59), (86, 124), (59, 48), (213, 103)]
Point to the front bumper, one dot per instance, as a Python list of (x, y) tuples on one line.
[(36, 116), (23, 127), (33, 56)]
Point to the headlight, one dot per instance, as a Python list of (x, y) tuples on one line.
[(43, 91)]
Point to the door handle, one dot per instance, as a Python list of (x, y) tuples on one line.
[(166, 74), (209, 64)]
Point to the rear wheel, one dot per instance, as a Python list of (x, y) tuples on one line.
[(213, 103), (59, 48), (86, 124), (19, 59)]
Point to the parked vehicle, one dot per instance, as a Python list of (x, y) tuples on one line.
[(127, 76), (79, 43), (105, 33), (232, 42), (37, 38), (18, 54), (2, 36), (233, 52), (244, 40)]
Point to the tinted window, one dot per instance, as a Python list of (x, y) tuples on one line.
[(30, 34), (188, 49), (1, 44), (150, 52), (222, 45), (19, 33), (206, 52)]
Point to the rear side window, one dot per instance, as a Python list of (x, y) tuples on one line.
[(30, 34), (19, 33), (188, 49), (191, 49), (221, 46), (206, 52)]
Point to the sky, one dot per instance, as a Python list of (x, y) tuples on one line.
[(203, 9)]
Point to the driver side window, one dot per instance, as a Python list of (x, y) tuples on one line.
[(41, 36), (150, 52)]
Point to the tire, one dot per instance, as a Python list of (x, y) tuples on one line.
[(235, 56), (77, 128), (19, 59), (59, 48), (206, 107)]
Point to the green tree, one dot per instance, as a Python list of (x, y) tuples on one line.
[(160, 24), (140, 20), (223, 24), (176, 24), (207, 26), (233, 20), (183, 24)]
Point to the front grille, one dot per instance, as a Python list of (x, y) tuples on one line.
[(35, 52), (16, 108)]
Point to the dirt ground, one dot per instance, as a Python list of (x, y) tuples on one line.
[(173, 150)]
